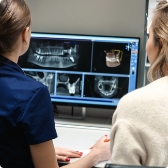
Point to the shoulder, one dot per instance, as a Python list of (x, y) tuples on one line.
[(139, 103), (31, 80), (36, 88), (25, 88), (147, 92), (30, 84)]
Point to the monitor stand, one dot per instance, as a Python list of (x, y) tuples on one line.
[(72, 116)]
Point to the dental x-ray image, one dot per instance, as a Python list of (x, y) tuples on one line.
[(58, 54), (47, 78), (105, 86), (68, 84), (111, 58)]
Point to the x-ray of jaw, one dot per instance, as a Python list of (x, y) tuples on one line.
[(106, 86), (68, 84), (46, 78), (54, 56), (113, 57)]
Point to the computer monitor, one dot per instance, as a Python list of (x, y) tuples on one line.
[(83, 70)]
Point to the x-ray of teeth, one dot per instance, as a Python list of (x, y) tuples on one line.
[(113, 57), (53, 55), (58, 54), (68, 84), (46, 78), (106, 86)]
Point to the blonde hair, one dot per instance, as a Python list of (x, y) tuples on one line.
[(14, 18), (159, 26)]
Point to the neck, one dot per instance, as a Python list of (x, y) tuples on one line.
[(12, 56), (16, 50)]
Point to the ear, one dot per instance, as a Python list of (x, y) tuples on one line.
[(26, 35)]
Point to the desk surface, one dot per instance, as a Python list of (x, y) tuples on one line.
[(79, 138), (88, 122)]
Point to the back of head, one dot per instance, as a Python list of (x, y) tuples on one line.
[(14, 18), (159, 67)]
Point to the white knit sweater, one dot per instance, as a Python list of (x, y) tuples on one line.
[(139, 134)]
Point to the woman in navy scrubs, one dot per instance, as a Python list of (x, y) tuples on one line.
[(26, 116)]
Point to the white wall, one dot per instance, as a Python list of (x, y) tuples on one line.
[(99, 17)]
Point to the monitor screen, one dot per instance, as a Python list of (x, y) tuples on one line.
[(83, 70)]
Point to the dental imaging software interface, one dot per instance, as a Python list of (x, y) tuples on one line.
[(83, 70)]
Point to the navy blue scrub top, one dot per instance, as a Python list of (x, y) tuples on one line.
[(26, 115)]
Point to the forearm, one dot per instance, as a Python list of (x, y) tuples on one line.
[(44, 156)]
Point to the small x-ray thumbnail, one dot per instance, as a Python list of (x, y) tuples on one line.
[(105, 86), (46, 78), (68, 84), (111, 58), (57, 54)]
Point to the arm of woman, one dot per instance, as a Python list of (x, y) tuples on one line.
[(43, 155), (99, 152), (126, 138), (127, 147)]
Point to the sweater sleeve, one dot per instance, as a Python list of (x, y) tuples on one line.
[(127, 147)]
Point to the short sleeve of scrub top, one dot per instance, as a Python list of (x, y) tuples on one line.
[(37, 120)]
